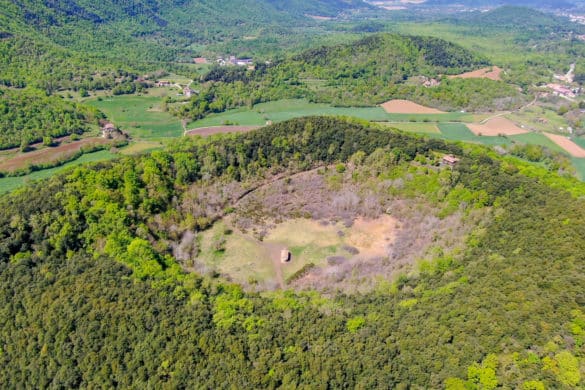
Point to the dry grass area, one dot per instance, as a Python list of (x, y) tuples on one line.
[(207, 131), (495, 127), (400, 106), (572, 148), (48, 155), (342, 234), (492, 73)]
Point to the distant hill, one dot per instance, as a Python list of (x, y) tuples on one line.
[(362, 73), (515, 17), (527, 24), (52, 40), (560, 4)]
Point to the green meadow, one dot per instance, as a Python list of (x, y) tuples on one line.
[(282, 110), (140, 116)]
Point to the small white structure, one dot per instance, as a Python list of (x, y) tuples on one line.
[(284, 256)]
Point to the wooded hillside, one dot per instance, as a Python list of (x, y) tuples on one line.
[(91, 297)]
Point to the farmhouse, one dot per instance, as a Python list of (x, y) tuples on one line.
[(200, 60), (430, 83), (560, 90), (163, 83), (108, 130), (188, 92), (450, 160)]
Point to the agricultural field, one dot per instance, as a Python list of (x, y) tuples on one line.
[(50, 155), (142, 117), (460, 132), (11, 183), (400, 106), (579, 164), (282, 110)]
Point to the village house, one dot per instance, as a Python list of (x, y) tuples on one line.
[(188, 92), (163, 83), (244, 62), (200, 60), (561, 90), (430, 83), (108, 130), (449, 160), (233, 60)]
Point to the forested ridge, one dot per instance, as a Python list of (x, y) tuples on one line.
[(369, 71), (92, 296)]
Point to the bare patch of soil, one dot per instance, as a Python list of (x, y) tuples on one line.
[(495, 127), (399, 106), (492, 73)]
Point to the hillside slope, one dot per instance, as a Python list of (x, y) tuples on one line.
[(366, 72), (92, 297), (72, 38)]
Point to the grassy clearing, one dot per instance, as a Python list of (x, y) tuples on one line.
[(282, 110), (141, 147), (141, 116), (579, 141), (537, 139), (460, 132), (308, 242), (579, 164), (242, 259), (11, 183)]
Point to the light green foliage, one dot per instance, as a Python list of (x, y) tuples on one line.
[(483, 377), (455, 384), (533, 385), (408, 303), (31, 116), (356, 323), (567, 370), (231, 308)]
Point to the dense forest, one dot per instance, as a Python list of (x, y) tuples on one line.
[(367, 72), (92, 296), (26, 116)]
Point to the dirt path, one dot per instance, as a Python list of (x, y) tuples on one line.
[(270, 181), (273, 251)]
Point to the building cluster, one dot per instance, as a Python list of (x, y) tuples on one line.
[(226, 61), (563, 90)]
